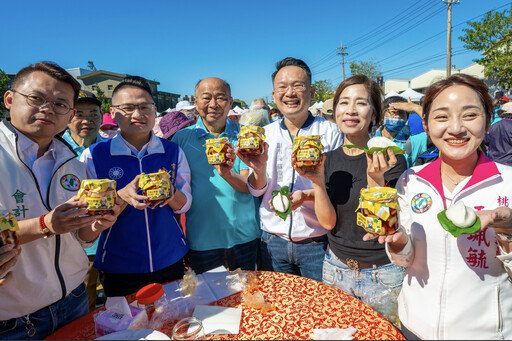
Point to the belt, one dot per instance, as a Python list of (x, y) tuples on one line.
[(355, 265), (319, 239)]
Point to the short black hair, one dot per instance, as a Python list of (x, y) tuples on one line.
[(51, 69), (290, 61), (133, 82)]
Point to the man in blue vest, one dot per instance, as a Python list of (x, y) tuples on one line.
[(146, 244)]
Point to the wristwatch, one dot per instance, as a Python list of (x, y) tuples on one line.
[(504, 236)]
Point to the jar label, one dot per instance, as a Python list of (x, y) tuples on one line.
[(250, 143)]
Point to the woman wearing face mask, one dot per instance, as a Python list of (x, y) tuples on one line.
[(394, 127), (109, 127), (455, 287), (357, 267)]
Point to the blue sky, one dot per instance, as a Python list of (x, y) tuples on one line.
[(179, 42)]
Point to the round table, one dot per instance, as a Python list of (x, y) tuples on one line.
[(301, 305)]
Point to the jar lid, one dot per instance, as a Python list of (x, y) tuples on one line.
[(150, 293)]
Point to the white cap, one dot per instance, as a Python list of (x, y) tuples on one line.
[(184, 105)]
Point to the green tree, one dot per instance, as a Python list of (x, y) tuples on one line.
[(105, 103), (492, 36), (242, 102), (370, 69), (4, 86), (323, 90)]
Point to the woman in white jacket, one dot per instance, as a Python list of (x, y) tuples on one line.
[(455, 287)]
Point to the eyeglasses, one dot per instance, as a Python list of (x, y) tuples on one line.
[(82, 117), (299, 87), (129, 109), (36, 101)]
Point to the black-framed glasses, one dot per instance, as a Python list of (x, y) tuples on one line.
[(129, 109), (36, 101)]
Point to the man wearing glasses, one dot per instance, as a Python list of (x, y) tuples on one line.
[(146, 245), (40, 178), (296, 245), (81, 133)]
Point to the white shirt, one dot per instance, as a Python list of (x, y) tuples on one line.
[(43, 166), (302, 222)]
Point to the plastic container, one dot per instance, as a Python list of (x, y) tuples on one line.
[(151, 298)]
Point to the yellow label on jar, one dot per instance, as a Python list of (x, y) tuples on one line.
[(370, 224), (8, 221), (156, 193), (250, 143), (217, 158), (103, 203), (308, 154)]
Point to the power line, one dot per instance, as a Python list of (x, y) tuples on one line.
[(386, 25), (422, 62), (399, 33), (408, 49), (323, 60)]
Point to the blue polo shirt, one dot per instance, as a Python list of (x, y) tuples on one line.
[(91, 251), (220, 217)]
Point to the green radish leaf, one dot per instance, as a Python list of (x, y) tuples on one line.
[(285, 190), (397, 150), (455, 230)]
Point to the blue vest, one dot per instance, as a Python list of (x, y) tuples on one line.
[(140, 241)]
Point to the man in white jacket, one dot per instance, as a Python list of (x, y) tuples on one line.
[(40, 178), (296, 245)]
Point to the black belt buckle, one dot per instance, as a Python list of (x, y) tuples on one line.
[(352, 264)]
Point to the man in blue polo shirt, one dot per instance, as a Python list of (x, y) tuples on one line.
[(222, 225), (81, 133)]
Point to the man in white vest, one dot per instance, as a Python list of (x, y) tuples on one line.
[(40, 178)]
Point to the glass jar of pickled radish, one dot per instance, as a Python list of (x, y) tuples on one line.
[(377, 212)]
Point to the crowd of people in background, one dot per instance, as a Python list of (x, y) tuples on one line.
[(457, 143)]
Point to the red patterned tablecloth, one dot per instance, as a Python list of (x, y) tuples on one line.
[(301, 305)]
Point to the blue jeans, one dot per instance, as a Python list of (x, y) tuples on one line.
[(296, 258), (45, 321), (241, 256), (378, 287)]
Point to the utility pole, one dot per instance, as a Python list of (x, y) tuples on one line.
[(342, 53), (449, 36)]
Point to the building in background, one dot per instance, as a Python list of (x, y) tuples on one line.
[(421, 82), (107, 81)]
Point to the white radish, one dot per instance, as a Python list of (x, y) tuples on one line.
[(461, 215), (380, 142), (281, 202)]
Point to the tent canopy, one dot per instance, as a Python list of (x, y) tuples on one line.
[(391, 94), (414, 95), (237, 109), (317, 105)]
